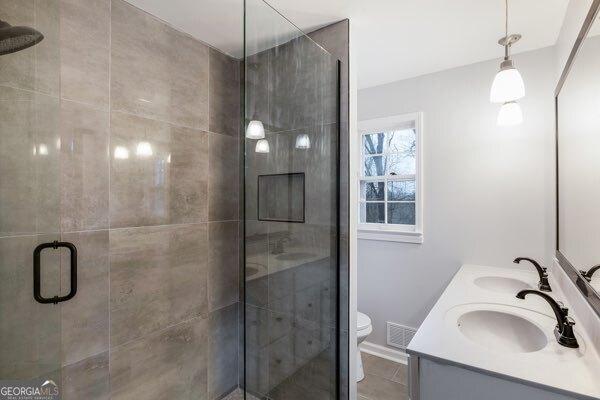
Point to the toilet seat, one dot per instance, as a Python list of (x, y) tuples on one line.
[(363, 322)]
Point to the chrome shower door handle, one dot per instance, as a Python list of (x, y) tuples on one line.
[(37, 284)]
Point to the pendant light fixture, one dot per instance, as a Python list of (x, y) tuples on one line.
[(255, 130), (302, 141), (262, 146), (508, 84), (510, 114)]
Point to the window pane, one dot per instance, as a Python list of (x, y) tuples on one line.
[(401, 191), (400, 165), (374, 143), (372, 191), (375, 166), (401, 213), (372, 213), (395, 164), (403, 142)]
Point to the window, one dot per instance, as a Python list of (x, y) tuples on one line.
[(390, 179)]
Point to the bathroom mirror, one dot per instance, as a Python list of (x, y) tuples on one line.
[(578, 160)]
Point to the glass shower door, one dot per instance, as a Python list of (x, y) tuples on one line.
[(292, 347), (30, 332)]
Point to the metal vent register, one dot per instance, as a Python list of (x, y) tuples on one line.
[(399, 335)]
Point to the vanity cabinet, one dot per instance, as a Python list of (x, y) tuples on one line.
[(434, 380)]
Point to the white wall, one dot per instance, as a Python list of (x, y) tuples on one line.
[(576, 12), (489, 191)]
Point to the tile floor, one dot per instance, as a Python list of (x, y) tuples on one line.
[(384, 380), (238, 394)]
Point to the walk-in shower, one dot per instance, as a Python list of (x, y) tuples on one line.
[(147, 250)]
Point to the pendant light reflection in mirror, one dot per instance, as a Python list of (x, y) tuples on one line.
[(256, 131)]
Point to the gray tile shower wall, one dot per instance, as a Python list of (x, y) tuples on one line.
[(135, 131)]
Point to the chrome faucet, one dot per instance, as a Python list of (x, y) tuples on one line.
[(543, 285), (588, 274), (564, 327)]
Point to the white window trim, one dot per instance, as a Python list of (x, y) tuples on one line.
[(388, 232)]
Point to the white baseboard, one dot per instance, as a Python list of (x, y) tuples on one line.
[(384, 352)]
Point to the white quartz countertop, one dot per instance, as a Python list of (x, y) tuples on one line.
[(574, 372)]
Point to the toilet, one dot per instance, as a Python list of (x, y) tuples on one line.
[(363, 329)]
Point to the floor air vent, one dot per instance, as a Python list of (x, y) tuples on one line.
[(399, 335)]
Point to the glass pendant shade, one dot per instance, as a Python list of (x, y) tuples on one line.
[(262, 146), (507, 86), (302, 142), (255, 130), (510, 114)]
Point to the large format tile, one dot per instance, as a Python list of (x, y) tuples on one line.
[(165, 185), (401, 376), (294, 85), (257, 372), (84, 169), (84, 51), (374, 387), (223, 264), (256, 86), (157, 71), (85, 318), (29, 331), (223, 352), (374, 365), (223, 179), (30, 162), (87, 379), (256, 246), (282, 361), (225, 94), (158, 278), (47, 52), (170, 364)]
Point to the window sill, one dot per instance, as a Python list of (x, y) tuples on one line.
[(390, 236)]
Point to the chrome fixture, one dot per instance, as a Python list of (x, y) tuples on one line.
[(262, 146), (564, 327), (508, 86), (543, 285), (17, 38), (589, 273)]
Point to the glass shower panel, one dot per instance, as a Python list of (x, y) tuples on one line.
[(291, 212), (30, 332)]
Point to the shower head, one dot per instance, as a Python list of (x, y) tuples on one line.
[(16, 38)]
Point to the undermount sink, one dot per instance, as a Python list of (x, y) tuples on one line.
[(501, 331), (501, 284)]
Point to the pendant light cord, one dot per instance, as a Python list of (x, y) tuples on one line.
[(506, 19), (506, 45)]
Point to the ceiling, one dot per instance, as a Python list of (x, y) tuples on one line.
[(393, 39)]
